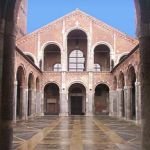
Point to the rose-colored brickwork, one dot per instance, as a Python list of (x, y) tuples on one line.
[(109, 90)]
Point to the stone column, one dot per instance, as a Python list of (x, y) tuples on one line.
[(25, 102), (63, 97), (138, 102), (119, 90), (7, 63), (143, 33), (33, 102), (23, 99), (42, 103), (112, 102), (63, 103), (128, 98), (15, 102), (38, 102), (89, 103)]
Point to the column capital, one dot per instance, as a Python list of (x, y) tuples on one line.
[(127, 87), (137, 83), (119, 89), (15, 82)]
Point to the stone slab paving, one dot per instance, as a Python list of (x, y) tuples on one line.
[(24, 131), (78, 133)]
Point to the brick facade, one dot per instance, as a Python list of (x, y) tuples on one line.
[(97, 33)]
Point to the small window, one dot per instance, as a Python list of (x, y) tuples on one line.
[(57, 67)]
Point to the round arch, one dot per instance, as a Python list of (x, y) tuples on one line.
[(122, 55), (131, 75), (101, 99), (51, 57), (102, 56), (77, 99), (77, 28), (103, 43), (50, 82), (51, 99), (114, 87), (32, 56), (49, 43), (77, 82), (102, 82)]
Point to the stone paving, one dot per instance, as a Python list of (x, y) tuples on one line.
[(76, 133)]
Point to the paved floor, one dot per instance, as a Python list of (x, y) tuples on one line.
[(76, 133)]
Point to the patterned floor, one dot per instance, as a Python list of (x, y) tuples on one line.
[(76, 133)]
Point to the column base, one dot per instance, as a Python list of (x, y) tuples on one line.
[(63, 114)]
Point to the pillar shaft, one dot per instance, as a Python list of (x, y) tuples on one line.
[(7, 88), (138, 102), (63, 104)]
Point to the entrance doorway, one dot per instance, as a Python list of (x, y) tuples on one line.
[(77, 96), (76, 105)]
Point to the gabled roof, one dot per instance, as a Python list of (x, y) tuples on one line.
[(93, 19)]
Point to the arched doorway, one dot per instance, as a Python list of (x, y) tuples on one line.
[(52, 58), (132, 80), (102, 57), (77, 99), (30, 93), (20, 84), (101, 99), (77, 50), (51, 99)]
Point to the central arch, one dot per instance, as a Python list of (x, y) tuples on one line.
[(77, 99), (77, 50)]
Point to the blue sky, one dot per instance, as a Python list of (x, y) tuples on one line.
[(117, 13)]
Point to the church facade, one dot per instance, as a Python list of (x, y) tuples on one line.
[(76, 65)]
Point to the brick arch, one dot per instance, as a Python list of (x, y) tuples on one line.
[(131, 72), (32, 78), (78, 82), (102, 82), (121, 80), (20, 71), (37, 83), (32, 56), (23, 67), (77, 28), (122, 55), (49, 82), (114, 87), (103, 43), (45, 46), (49, 43)]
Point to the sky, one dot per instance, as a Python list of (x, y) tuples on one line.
[(120, 14)]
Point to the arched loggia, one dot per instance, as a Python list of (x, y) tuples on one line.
[(52, 56), (77, 50), (102, 57)]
